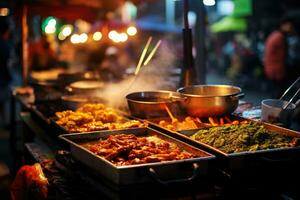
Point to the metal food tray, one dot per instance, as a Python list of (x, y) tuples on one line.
[(62, 130), (154, 123), (241, 160), (164, 172), (45, 112)]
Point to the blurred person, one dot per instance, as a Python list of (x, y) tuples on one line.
[(276, 54), (96, 57), (5, 75), (111, 69), (41, 55)]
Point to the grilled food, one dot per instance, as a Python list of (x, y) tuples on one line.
[(94, 117), (243, 137), (128, 149)]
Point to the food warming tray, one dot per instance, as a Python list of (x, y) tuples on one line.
[(164, 172), (61, 130), (154, 123), (241, 160)]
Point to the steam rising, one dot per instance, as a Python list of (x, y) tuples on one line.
[(154, 76)]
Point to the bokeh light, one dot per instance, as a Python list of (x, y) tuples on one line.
[(131, 30), (75, 39), (67, 30), (97, 36)]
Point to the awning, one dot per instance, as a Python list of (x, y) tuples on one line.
[(153, 23), (229, 23)]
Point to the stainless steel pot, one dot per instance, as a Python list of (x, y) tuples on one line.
[(210, 100), (85, 87), (151, 104)]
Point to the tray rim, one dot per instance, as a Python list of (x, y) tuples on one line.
[(190, 160), (209, 148)]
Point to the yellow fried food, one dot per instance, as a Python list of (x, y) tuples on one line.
[(94, 117)]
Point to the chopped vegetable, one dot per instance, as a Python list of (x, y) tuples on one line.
[(243, 137)]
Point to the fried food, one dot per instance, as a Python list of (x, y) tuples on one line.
[(128, 149), (195, 123), (94, 117)]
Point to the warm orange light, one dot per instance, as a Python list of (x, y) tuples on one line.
[(122, 37), (83, 37), (75, 39), (131, 30), (114, 36), (67, 30), (4, 12), (61, 36), (50, 29), (97, 36)]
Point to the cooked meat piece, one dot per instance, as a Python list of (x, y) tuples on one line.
[(128, 149)]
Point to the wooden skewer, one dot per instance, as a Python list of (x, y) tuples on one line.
[(142, 56), (227, 119), (139, 64), (174, 120), (221, 121), (152, 53), (211, 121)]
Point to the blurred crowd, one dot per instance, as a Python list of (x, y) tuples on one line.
[(7, 62), (269, 63)]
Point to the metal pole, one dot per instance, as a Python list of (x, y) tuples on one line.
[(200, 59), (25, 65), (188, 72)]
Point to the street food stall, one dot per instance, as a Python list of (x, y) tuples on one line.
[(189, 143)]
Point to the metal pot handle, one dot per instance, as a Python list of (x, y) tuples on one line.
[(183, 180), (181, 98), (238, 95)]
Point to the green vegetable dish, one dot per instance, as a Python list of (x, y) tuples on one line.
[(243, 137)]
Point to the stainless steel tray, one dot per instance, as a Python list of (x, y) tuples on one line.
[(155, 122), (253, 159), (164, 172), (183, 135), (63, 130), (180, 134), (270, 127)]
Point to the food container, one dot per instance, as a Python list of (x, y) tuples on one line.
[(209, 100), (46, 90), (151, 104), (164, 172), (272, 111), (249, 159), (85, 87), (71, 77)]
